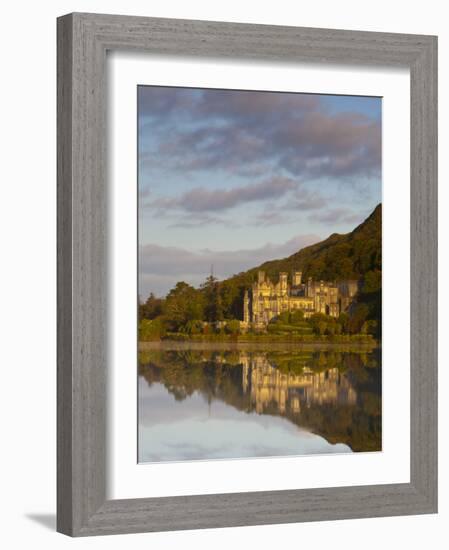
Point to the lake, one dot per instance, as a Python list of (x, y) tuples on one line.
[(210, 401)]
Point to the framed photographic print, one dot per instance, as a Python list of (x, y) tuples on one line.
[(246, 274), (239, 360)]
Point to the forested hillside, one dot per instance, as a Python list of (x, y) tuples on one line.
[(354, 255)]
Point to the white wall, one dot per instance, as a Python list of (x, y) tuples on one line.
[(27, 218)]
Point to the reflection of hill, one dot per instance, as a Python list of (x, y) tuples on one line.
[(336, 395)]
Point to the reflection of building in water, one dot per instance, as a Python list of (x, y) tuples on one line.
[(268, 386)]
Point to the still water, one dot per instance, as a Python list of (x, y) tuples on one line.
[(207, 403)]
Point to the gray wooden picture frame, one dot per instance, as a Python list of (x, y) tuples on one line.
[(83, 40)]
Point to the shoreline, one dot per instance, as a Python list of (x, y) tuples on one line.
[(173, 345)]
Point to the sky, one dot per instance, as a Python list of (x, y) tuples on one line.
[(194, 429), (229, 179)]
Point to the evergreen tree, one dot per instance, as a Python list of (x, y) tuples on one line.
[(213, 308)]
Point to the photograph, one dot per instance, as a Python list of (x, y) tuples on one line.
[(259, 274)]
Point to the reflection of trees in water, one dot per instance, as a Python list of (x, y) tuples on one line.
[(335, 394)]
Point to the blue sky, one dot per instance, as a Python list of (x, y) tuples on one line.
[(235, 178)]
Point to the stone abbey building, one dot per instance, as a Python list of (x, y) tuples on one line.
[(266, 300)]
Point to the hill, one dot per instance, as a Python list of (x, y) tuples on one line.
[(347, 256), (354, 255)]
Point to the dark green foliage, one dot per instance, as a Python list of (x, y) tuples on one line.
[(151, 329), (283, 317), (151, 308), (213, 308), (183, 304), (288, 329), (372, 282), (348, 256), (319, 322), (343, 321), (289, 322), (357, 318), (232, 326), (194, 326), (345, 324), (297, 317), (290, 318)]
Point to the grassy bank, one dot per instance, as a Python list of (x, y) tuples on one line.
[(345, 339), (191, 345)]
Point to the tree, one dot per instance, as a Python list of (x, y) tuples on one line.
[(343, 321), (372, 281), (357, 318), (231, 296), (193, 327), (213, 309), (284, 317), (151, 329), (370, 327), (232, 326), (183, 304), (152, 308), (319, 323), (321, 327), (296, 317)]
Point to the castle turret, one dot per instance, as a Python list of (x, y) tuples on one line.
[(297, 278), (283, 283), (246, 307), (309, 288)]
